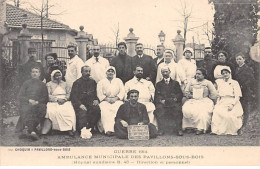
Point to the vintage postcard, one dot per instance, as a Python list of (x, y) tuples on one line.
[(130, 83)]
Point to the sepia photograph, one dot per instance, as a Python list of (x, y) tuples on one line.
[(139, 83)]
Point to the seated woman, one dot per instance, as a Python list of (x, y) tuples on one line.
[(228, 112), (60, 113), (110, 92), (52, 63), (197, 110)]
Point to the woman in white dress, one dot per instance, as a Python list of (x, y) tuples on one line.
[(198, 108), (188, 64), (60, 113), (110, 92), (228, 112)]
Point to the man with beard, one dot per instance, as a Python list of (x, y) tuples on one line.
[(160, 51), (168, 102), (97, 64), (146, 91), (74, 65), (85, 101), (208, 63), (146, 61), (132, 113), (122, 63)]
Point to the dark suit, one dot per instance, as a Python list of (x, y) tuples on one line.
[(155, 61), (124, 70), (148, 65), (132, 115), (245, 77), (84, 92), (172, 94)]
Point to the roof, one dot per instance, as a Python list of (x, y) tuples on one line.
[(16, 16)]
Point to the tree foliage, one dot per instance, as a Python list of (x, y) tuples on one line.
[(235, 24)]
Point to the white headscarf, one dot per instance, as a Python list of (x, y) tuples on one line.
[(113, 68), (53, 73)]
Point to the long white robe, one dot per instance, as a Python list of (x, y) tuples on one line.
[(146, 95), (224, 121), (197, 111), (106, 88), (62, 116)]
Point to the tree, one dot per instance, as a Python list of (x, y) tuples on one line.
[(185, 12), (235, 25)]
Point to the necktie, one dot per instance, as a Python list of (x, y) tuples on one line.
[(96, 59), (166, 81)]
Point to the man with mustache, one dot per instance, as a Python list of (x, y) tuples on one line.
[(208, 63), (146, 90), (132, 113), (159, 53), (85, 101), (74, 65), (146, 61), (98, 65)]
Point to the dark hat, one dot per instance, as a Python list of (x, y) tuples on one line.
[(132, 91), (54, 55), (31, 50)]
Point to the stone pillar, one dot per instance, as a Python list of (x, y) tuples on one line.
[(82, 41), (24, 39), (131, 40), (179, 42)]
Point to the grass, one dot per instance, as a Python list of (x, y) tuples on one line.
[(10, 138)]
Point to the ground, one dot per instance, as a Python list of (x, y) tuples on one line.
[(10, 138)]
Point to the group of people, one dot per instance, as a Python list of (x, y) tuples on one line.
[(161, 93)]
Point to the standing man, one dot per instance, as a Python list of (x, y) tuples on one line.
[(168, 102), (146, 91), (25, 69), (85, 101), (208, 64), (122, 63), (145, 61), (97, 64), (33, 97), (160, 51), (132, 113), (74, 66)]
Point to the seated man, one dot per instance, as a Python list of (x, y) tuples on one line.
[(132, 113), (168, 97), (146, 91), (33, 97), (85, 101)]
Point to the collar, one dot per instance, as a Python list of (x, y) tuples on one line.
[(136, 80), (241, 65), (140, 56), (167, 79), (74, 58)]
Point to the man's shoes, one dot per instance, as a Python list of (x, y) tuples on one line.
[(199, 132), (70, 133), (34, 136), (160, 133), (110, 133), (180, 133), (189, 130)]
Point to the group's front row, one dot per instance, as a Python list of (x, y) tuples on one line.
[(110, 106)]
